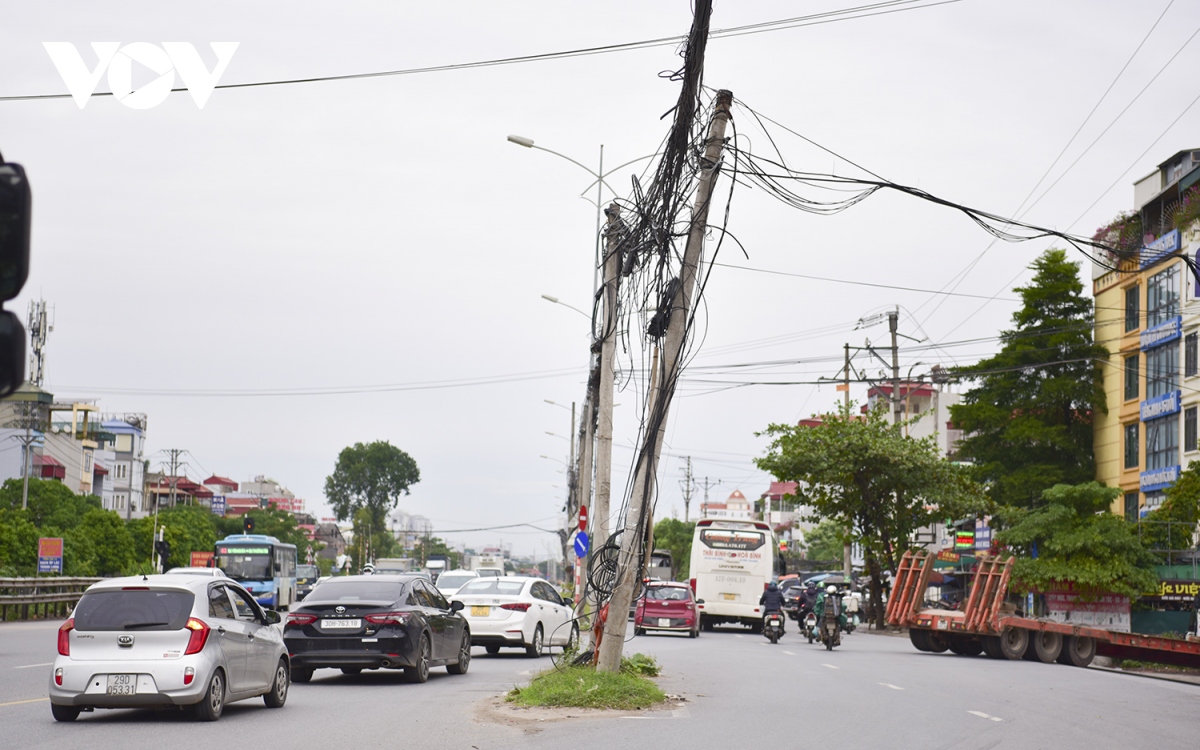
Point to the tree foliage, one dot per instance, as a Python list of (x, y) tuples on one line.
[(825, 541), (676, 536), (1028, 420), (863, 473), (1072, 538), (371, 476), (1172, 526), (271, 522), (51, 503)]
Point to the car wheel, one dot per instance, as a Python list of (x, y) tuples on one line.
[(301, 674), (213, 703), (694, 633), (64, 713), (492, 650), (573, 641), (464, 657), (419, 672), (639, 631), (277, 696), (534, 649), (351, 670)]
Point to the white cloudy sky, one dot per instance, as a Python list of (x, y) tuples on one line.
[(383, 231)]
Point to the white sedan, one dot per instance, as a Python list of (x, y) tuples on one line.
[(452, 580), (517, 612)]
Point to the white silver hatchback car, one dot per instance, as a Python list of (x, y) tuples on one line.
[(517, 612), (168, 640)]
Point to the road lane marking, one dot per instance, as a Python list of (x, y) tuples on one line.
[(890, 685), (830, 666), (735, 635), (789, 653), (982, 715), (31, 700), (31, 666)]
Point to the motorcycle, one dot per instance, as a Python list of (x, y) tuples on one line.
[(810, 625), (830, 633), (851, 603), (773, 626)]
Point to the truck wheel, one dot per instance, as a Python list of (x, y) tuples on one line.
[(972, 647), (956, 644), (1014, 642), (938, 643), (1077, 651), (1047, 646), (991, 647), (919, 638)]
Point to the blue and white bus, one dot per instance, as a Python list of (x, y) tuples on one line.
[(261, 563)]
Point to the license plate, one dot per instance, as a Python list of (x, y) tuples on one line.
[(341, 624), (664, 622), (122, 684), (477, 611), (729, 597)]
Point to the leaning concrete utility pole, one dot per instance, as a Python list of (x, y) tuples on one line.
[(661, 391), (846, 550), (893, 324)]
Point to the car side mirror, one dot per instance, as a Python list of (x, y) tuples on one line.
[(699, 601), (456, 606), (272, 617)]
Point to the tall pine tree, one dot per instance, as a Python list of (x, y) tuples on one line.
[(1028, 420)]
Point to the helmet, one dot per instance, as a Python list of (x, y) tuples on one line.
[(368, 569), (831, 589), (772, 586)]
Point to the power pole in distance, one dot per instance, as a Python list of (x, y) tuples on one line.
[(706, 485), (846, 550), (893, 325), (688, 485)]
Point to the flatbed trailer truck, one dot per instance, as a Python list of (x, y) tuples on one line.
[(986, 624)]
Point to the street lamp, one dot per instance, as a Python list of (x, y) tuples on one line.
[(557, 301)]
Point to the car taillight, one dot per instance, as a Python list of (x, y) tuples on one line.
[(198, 637), (517, 606), (692, 583), (58, 675), (189, 674), (64, 637), (388, 618), (299, 619)]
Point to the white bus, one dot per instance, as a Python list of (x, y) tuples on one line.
[(732, 563)]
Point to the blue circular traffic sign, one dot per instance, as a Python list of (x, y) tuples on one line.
[(581, 544)]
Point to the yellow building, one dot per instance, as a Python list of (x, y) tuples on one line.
[(1148, 316)]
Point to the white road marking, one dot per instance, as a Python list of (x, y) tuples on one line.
[(31, 700), (526, 673), (830, 666), (31, 666), (789, 653), (890, 685), (982, 715), (735, 635)]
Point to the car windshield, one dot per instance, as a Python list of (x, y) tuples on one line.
[(353, 591), (142, 609), (493, 586), (245, 567), (453, 582), (307, 571), (667, 593)]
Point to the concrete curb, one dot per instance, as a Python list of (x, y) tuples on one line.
[(1186, 679)]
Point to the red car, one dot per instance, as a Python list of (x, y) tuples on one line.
[(667, 607)]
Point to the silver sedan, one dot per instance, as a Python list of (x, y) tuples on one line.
[(168, 640)]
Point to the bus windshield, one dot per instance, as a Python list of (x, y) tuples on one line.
[(245, 564)]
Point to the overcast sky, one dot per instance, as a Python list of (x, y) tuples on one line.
[(370, 232)]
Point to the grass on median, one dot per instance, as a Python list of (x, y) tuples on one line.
[(584, 687)]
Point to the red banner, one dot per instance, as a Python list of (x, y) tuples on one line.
[(201, 559)]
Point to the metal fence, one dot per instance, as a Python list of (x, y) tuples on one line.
[(36, 598)]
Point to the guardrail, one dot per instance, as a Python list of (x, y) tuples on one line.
[(33, 598)]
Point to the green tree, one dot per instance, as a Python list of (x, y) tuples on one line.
[(825, 541), (18, 543), (1076, 541), (371, 476), (51, 503), (863, 474), (1028, 420), (187, 528), (112, 543), (676, 536), (272, 522), (1172, 526)]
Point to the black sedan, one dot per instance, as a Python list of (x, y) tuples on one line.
[(354, 623)]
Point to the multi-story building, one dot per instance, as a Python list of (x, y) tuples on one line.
[(1148, 316), (126, 440), (926, 407)]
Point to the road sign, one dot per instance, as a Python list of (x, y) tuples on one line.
[(581, 544), (218, 505), (201, 559), (50, 555), (583, 518)]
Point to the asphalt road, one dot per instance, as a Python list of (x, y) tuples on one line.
[(740, 692)]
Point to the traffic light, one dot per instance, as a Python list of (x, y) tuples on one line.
[(163, 548), (247, 524), (15, 218)]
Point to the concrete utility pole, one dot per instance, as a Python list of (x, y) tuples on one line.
[(604, 396), (661, 391), (587, 432), (689, 486), (846, 550), (175, 453), (893, 324)]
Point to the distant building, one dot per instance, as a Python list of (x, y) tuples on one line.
[(929, 404), (735, 507)]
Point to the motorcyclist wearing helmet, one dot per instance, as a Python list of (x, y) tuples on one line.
[(829, 595), (368, 570), (772, 601)]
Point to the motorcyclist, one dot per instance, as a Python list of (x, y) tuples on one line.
[(772, 601), (819, 607), (367, 570)]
